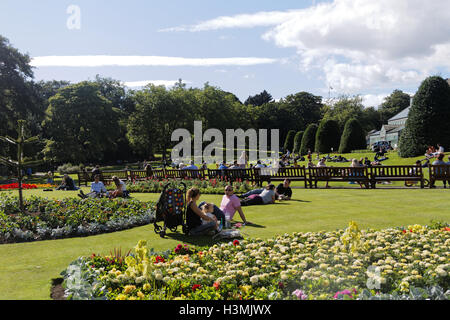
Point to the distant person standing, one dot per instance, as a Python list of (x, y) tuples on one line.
[(242, 162)]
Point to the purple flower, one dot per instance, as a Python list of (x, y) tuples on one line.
[(300, 294), (346, 292)]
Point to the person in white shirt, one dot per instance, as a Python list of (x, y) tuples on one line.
[(97, 189)]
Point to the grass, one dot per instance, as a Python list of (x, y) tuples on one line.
[(26, 269)]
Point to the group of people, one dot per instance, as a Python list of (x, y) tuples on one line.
[(206, 218)]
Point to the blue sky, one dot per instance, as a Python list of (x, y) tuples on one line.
[(353, 46)]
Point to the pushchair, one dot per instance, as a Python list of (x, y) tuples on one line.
[(171, 209)]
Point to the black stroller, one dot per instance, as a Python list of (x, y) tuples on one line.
[(171, 208)]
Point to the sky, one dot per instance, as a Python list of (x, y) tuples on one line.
[(328, 48)]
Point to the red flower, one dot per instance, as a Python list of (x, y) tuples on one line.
[(159, 259), (216, 285), (196, 286), (236, 242), (446, 229), (404, 231)]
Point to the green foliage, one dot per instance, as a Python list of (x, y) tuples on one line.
[(81, 124), (353, 137), (289, 141), (327, 136), (309, 139), (259, 99), (297, 141), (393, 104), (428, 118)]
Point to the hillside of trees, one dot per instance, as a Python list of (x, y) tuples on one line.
[(103, 121)]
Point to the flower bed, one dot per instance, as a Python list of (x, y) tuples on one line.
[(344, 264), (15, 186), (70, 217), (206, 186)]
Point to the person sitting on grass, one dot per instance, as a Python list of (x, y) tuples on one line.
[(98, 189), (195, 216), (267, 196), (283, 191), (67, 183), (230, 204), (121, 189)]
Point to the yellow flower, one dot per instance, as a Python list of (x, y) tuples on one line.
[(128, 289), (121, 297)]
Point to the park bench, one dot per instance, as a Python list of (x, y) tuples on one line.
[(279, 174), (439, 173), (232, 175), (193, 174), (106, 176), (136, 175), (83, 178), (159, 174), (396, 173), (338, 174)]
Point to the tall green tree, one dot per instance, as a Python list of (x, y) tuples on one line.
[(328, 136), (393, 104), (297, 141), (309, 139), (259, 99), (353, 137), (289, 142), (428, 118), (81, 124)]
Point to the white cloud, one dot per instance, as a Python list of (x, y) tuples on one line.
[(166, 83), (357, 44), (130, 61)]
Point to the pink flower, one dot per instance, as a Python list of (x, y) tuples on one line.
[(300, 294)]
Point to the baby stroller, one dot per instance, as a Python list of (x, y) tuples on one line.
[(171, 208)]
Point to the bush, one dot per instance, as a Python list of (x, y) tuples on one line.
[(289, 142), (69, 168), (297, 141), (327, 136), (353, 137), (428, 118), (308, 139)]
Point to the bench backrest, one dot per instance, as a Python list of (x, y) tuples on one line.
[(290, 172), (439, 171), (396, 171), (107, 175), (338, 172), (192, 174), (232, 174), (139, 174)]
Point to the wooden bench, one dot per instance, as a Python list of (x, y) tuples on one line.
[(193, 174), (439, 173), (338, 174), (280, 174), (136, 175), (232, 175), (106, 176), (396, 173), (83, 178)]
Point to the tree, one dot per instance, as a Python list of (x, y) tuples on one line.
[(289, 142), (327, 136), (18, 97), (353, 137), (259, 99), (393, 104), (428, 118), (300, 110), (297, 141), (308, 139), (81, 124), (21, 161)]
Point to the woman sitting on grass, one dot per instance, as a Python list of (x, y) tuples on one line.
[(121, 189), (195, 216)]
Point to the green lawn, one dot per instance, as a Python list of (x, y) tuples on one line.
[(26, 269)]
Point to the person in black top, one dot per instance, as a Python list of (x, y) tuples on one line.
[(197, 222), (283, 191), (67, 183)]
